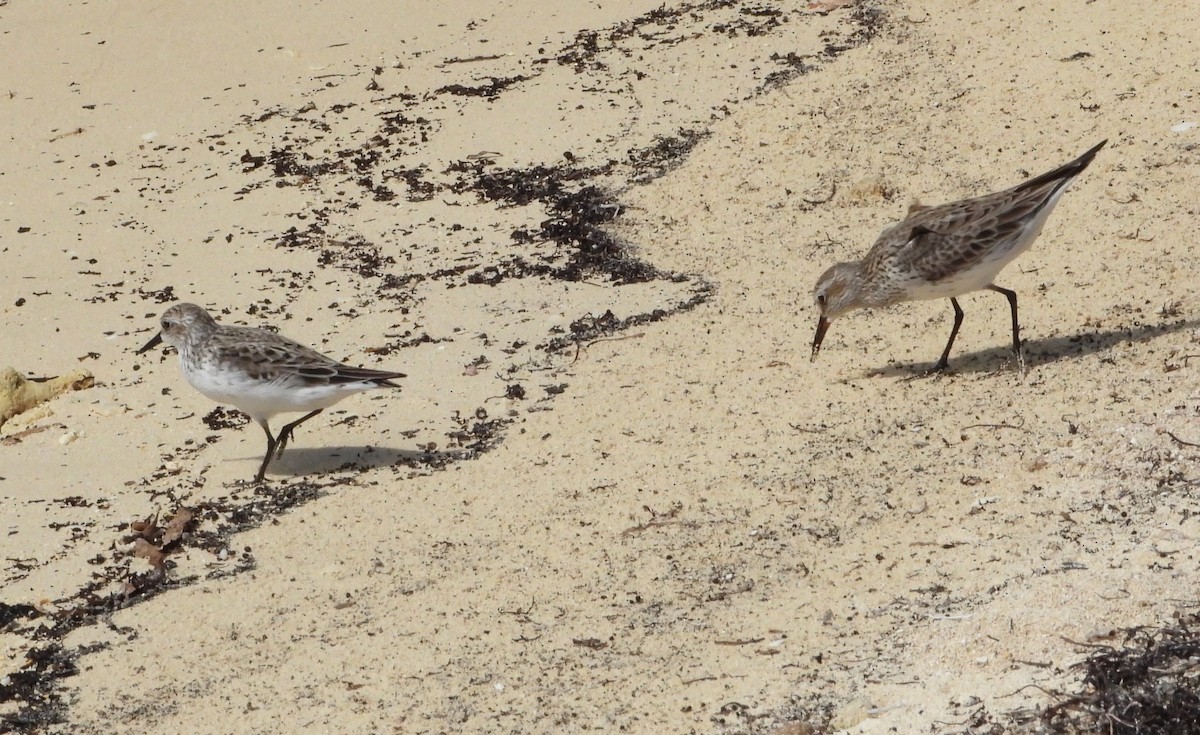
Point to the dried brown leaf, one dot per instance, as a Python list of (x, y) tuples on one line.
[(143, 549), (147, 529), (176, 526)]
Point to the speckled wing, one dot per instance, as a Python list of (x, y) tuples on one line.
[(972, 239), (964, 235), (268, 356)]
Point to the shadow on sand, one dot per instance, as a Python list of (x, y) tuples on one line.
[(320, 460), (1040, 352)]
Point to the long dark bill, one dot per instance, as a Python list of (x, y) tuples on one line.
[(822, 327), (155, 341)]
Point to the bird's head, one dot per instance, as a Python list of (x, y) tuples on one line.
[(836, 293)]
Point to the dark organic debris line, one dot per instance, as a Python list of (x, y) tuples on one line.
[(668, 26), (590, 251), (589, 328), (34, 686), (576, 209), (211, 528), (868, 23), (490, 90), (576, 214)]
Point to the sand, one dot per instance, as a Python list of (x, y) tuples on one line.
[(681, 525)]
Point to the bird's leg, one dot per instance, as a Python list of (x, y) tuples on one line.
[(944, 361), (286, 433), (1016, 328), (271, 442)]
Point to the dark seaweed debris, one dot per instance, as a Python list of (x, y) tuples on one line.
[(1149, 686), (577, 211), (9, 613), (476, 433), (1146, 685), (215, 523), (222, 418), (351, 253), (661, 26), (159, 296), (489, 90), (589, 328), (34, 686), (575, 208), (518, 187), (664, 154)]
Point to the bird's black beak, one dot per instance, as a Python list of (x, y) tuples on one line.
[(822, 327), (155, 341)]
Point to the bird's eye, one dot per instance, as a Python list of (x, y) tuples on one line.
[(821, 299), (166, 324)]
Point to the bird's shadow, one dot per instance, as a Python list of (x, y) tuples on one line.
[(320, 460), (1039, 352)]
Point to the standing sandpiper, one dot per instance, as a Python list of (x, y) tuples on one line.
[(259, 372), (947, 251)]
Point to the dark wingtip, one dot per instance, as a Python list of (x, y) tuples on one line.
[(1067, 171), (352, 374), (155, 341), (1087, 157), (387, 382)]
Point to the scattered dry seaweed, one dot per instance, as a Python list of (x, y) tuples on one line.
[(1148, 686)]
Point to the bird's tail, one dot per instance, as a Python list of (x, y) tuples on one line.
[(1067, 171)]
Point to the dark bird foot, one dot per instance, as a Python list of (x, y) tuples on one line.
[(941, 368)]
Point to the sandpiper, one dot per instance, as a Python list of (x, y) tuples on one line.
[(259, 372), (947, 251)]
